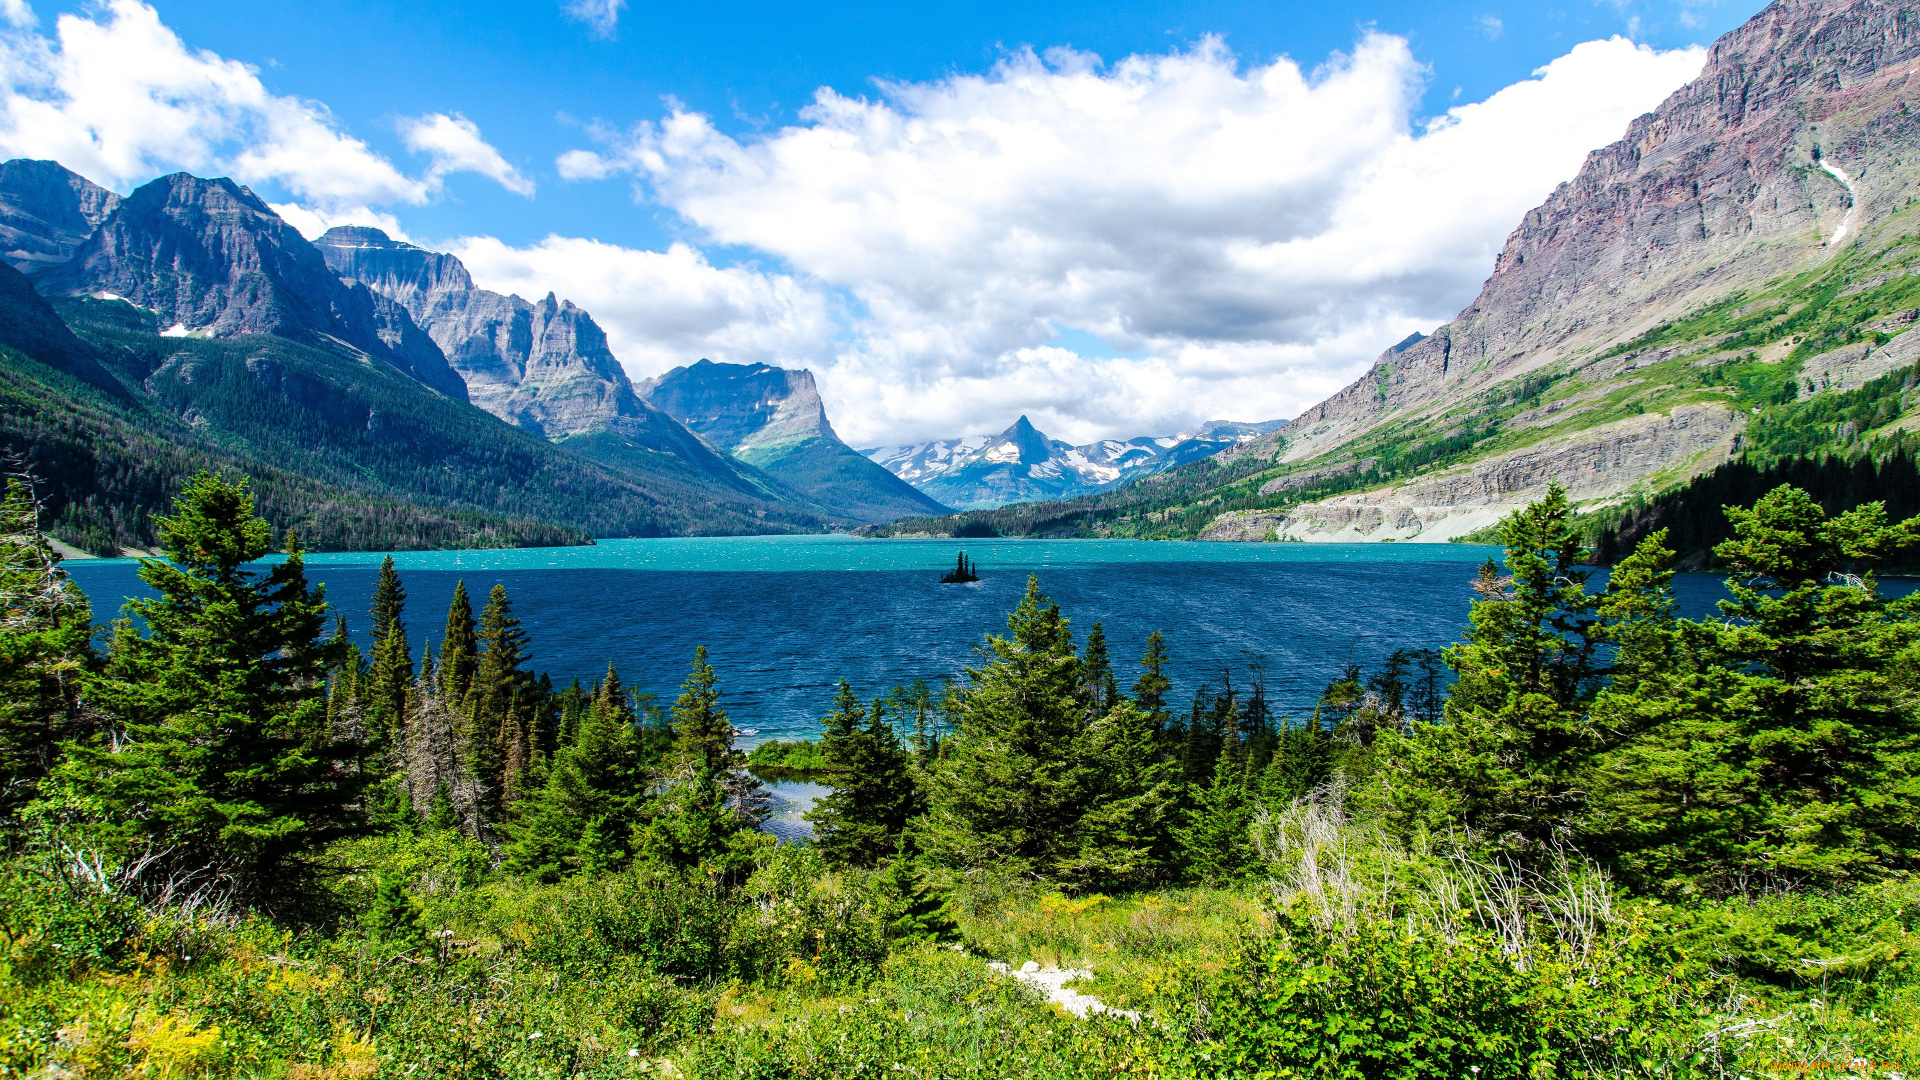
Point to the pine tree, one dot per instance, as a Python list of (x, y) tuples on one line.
[(1124, 839), (1517, 734), (495, 704), (710, 813), (459, 647), (391, 678), (1010, 787), (227, 760), (922, 912), (579, 819), (1218, 839), (1150, 690), (1792, 756), (860, 822), (46, 650), (1302, 761), (1097, 674)]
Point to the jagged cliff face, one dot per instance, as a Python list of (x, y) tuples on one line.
[(209, 259), (743, 408), (46, 212), (1793, 151), (542, 366), (773, 418)]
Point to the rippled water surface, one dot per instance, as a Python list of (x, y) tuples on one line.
[(785, 617)]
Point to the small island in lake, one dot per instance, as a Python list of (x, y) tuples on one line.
[(963, 571)]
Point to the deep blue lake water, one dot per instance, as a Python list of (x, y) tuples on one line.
[(784, 618)]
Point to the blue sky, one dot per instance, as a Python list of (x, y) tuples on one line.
[(923, 301)]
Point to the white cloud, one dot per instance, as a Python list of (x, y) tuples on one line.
[(1491, 26), (312, 222), (1257, 234), (600, 15), (118, 97), (455, 145), (662, 309)]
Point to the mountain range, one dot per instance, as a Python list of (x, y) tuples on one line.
[(1023, 465), (375, 395), (1733, 277)]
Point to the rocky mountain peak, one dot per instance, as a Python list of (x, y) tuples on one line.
[(46, 212), (742, 406), (209, 258), (1028, 445)]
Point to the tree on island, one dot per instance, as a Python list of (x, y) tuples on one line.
[(963, 572)]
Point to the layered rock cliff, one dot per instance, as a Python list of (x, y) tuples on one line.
[(209, 259), (1792, 157), (542, 366), (46, 212), (773, 418)]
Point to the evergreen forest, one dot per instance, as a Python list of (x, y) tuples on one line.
[(1591, 838)]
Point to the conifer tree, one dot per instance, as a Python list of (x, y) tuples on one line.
[(1124, 839), (580, 819), (1302, 761), (227, 759), (391, 678), (45, 650), (710, 813), (922, 912), (1097, 674), (1151, 689), (861, 821), (459, 647), (1012, 785), (1516, 734), (496, 702), (1218, 839), (1793, 755)]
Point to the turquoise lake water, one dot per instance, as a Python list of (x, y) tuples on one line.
[(784, 618)]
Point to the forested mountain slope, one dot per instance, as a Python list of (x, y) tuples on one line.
[(543, 366), (192, 328), (1704, 288)]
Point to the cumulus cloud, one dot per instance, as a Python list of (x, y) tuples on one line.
[(1247, 237), (118, 97), (454, 143), (662, 309), (600, 15)]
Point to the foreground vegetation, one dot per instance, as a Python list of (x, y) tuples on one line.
[(1619, 843)]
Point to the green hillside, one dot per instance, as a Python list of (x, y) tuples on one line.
[(1748, 350), (356, 455)]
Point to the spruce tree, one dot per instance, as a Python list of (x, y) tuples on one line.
[(459, 647), (1124, 839), (227, 760), (496, 702), (46, 651), (861, 821), (391, 678), (1151, 689), (1011, 784), (710, 813), (1097, 674), (1516, 733), (1218, 839), (579, 819), (1302, 761), (1792, 756)]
